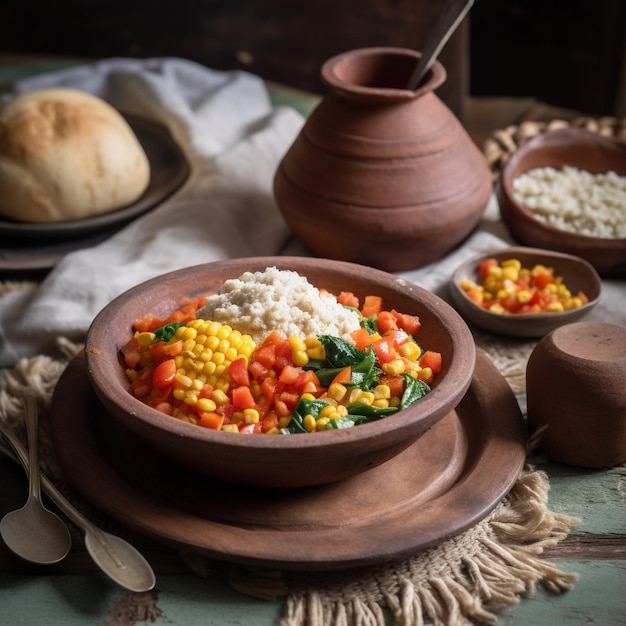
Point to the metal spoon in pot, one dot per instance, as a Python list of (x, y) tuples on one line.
[(119, 560), (450, 17), (33, 532)]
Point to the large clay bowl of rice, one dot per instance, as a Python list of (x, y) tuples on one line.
[(266, 460), (565, 190)]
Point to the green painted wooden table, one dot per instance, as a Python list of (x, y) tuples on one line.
[(596, 550)]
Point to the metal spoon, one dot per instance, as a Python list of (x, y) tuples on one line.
[(33, 532), (113, 555), (449, 19)]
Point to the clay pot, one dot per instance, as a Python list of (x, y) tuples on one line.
[(576, 396), (380, 175)]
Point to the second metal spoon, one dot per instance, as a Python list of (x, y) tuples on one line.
[(33, 532)]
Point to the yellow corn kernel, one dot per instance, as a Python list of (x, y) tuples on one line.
[(309, 423), (145, 339), (497, 308), (354, 395), (209, 368), (327, 410), (367, 397), (375, 337), (563, 292), (273, 431), (300, 358), (141, 391), (132, 375), (283, 422), (312, 342), (178, 393), (551, 287), (491, 284), (222, 385), (425, 374), (468, 284), (206, 404), (574, 303), (182, 381), (337, 392), (381, 403), (410, 350), (395, 401), (230, 428), (524, 296), (342, 410), (321, 422), (510, 273), (218, 358), (219, 397), (395, 367), (317, 353), (515, 263), (250, 416), (296, 343), (307, 396), (382, 392), (237, 417), (495, 271), (555, 307)]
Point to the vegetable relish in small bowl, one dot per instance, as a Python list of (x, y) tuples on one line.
[(279, 371), (524, 292)]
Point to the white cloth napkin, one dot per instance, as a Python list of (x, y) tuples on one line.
[(233, 140)]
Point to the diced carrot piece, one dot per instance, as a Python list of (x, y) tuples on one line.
[(395, 384), (347, 298), (343, 377), (372, 305), (386, 321), (211, 420), (361, 338)]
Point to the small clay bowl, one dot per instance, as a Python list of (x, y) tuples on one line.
[(576, 396), (278, 461), (578, 275), (574, 147)]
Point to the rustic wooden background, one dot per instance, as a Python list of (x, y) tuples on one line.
[(563, 52)]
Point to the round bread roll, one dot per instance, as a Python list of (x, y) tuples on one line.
[(66, 155)]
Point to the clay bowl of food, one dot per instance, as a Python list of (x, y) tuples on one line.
[(524, 292), (565, 190), (237, 400)]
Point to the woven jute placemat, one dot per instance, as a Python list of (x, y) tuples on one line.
[(463, 580)]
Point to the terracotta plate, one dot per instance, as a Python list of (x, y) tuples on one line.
[(443, 484), (39, 246)]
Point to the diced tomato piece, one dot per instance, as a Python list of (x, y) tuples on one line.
[(270, 387), (289, 398), (238, 371), (258, 370), (164, 374), (242, 398), (384, 349), (484, 267), (307, 382), (269, 421), (433, 360), (347, 298), (265, 355), (289, 374), (157, 351), (386, 321), (211, 420), (372, 305)]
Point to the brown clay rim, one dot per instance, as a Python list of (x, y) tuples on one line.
[(379, 73)]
